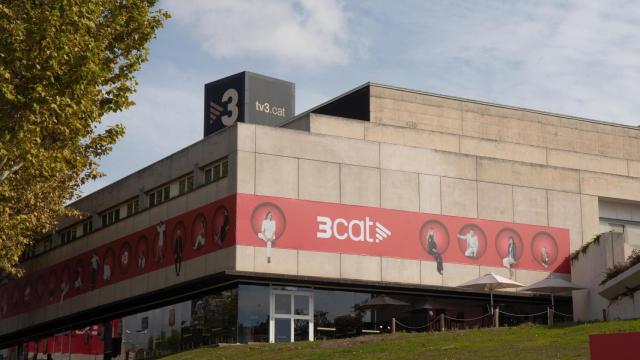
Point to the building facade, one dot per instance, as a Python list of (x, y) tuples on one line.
[(259, 233)]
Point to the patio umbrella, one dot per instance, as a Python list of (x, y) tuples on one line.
[(381, 301), (552, 285), (490, 282)]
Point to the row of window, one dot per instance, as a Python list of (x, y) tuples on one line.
[(213, 172)]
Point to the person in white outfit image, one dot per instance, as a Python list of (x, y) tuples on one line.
[(199, 240), (268, 233), (472, 243), (160, 245), (510, 260)]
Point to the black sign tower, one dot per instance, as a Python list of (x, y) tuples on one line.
[(247, 97)]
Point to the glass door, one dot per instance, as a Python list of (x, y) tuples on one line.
[(291, 316)]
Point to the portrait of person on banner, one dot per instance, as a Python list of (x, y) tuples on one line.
[(268, 233), (159, 248), (179, 234), (544, 249), (510, 260), (432, 249), (198, 232), (95, 263), (472, 243), (268, 222), (220, 225)]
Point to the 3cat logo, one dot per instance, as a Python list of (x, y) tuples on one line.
[(355, 230), (230, 114)]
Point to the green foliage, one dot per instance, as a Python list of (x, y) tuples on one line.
[(521, 343), (621, 267), (583, 249), (64, 64)]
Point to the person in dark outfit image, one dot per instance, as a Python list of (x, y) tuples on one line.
[(432, 249), (177, 252)]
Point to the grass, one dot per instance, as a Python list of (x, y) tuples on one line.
[(521, 343)]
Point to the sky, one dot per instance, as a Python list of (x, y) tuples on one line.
[(579, 58)]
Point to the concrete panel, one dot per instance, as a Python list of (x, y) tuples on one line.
[(386, 92), (528, 277), (610, 145), (429, 273), (426, 161), (631, 148), (337, 126), (558, 137), (400, 270), (529, 175), (634, 168), (495, 201), (276, 176), (359, 185), (175, 207), (573, 160), (415, 115), (481, 121), (314, 263), (504, 272), (156, 214), (530, 206), (400, 190), (244, 258), (430, 194), (412, 137), (246, 134), (360, 267), (457, 274), (319, 181), (246, 172), (459, 197), (294, 143), (565, 212), (611, 186), (139, 285), (283, 261), (221, 260), (590, 217), (193, 268), (503, 150)]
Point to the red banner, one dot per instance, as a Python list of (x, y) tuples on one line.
[(318, 226), (166, 244)]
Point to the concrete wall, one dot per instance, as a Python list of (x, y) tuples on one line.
[(367, 268), (589, 270)]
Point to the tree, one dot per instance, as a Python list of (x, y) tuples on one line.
[(64, 64)]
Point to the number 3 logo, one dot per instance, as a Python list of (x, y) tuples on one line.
[(230, 95)]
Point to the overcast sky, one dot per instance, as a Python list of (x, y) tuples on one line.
[(577, 58)]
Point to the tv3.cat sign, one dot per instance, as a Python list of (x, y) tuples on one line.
[(247, 97)]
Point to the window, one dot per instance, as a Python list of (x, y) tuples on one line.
[(216, 171), (133, 206), (43, 245), (87, 227), (185, 185), (68, 235), (110, 216), (159, 196)]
